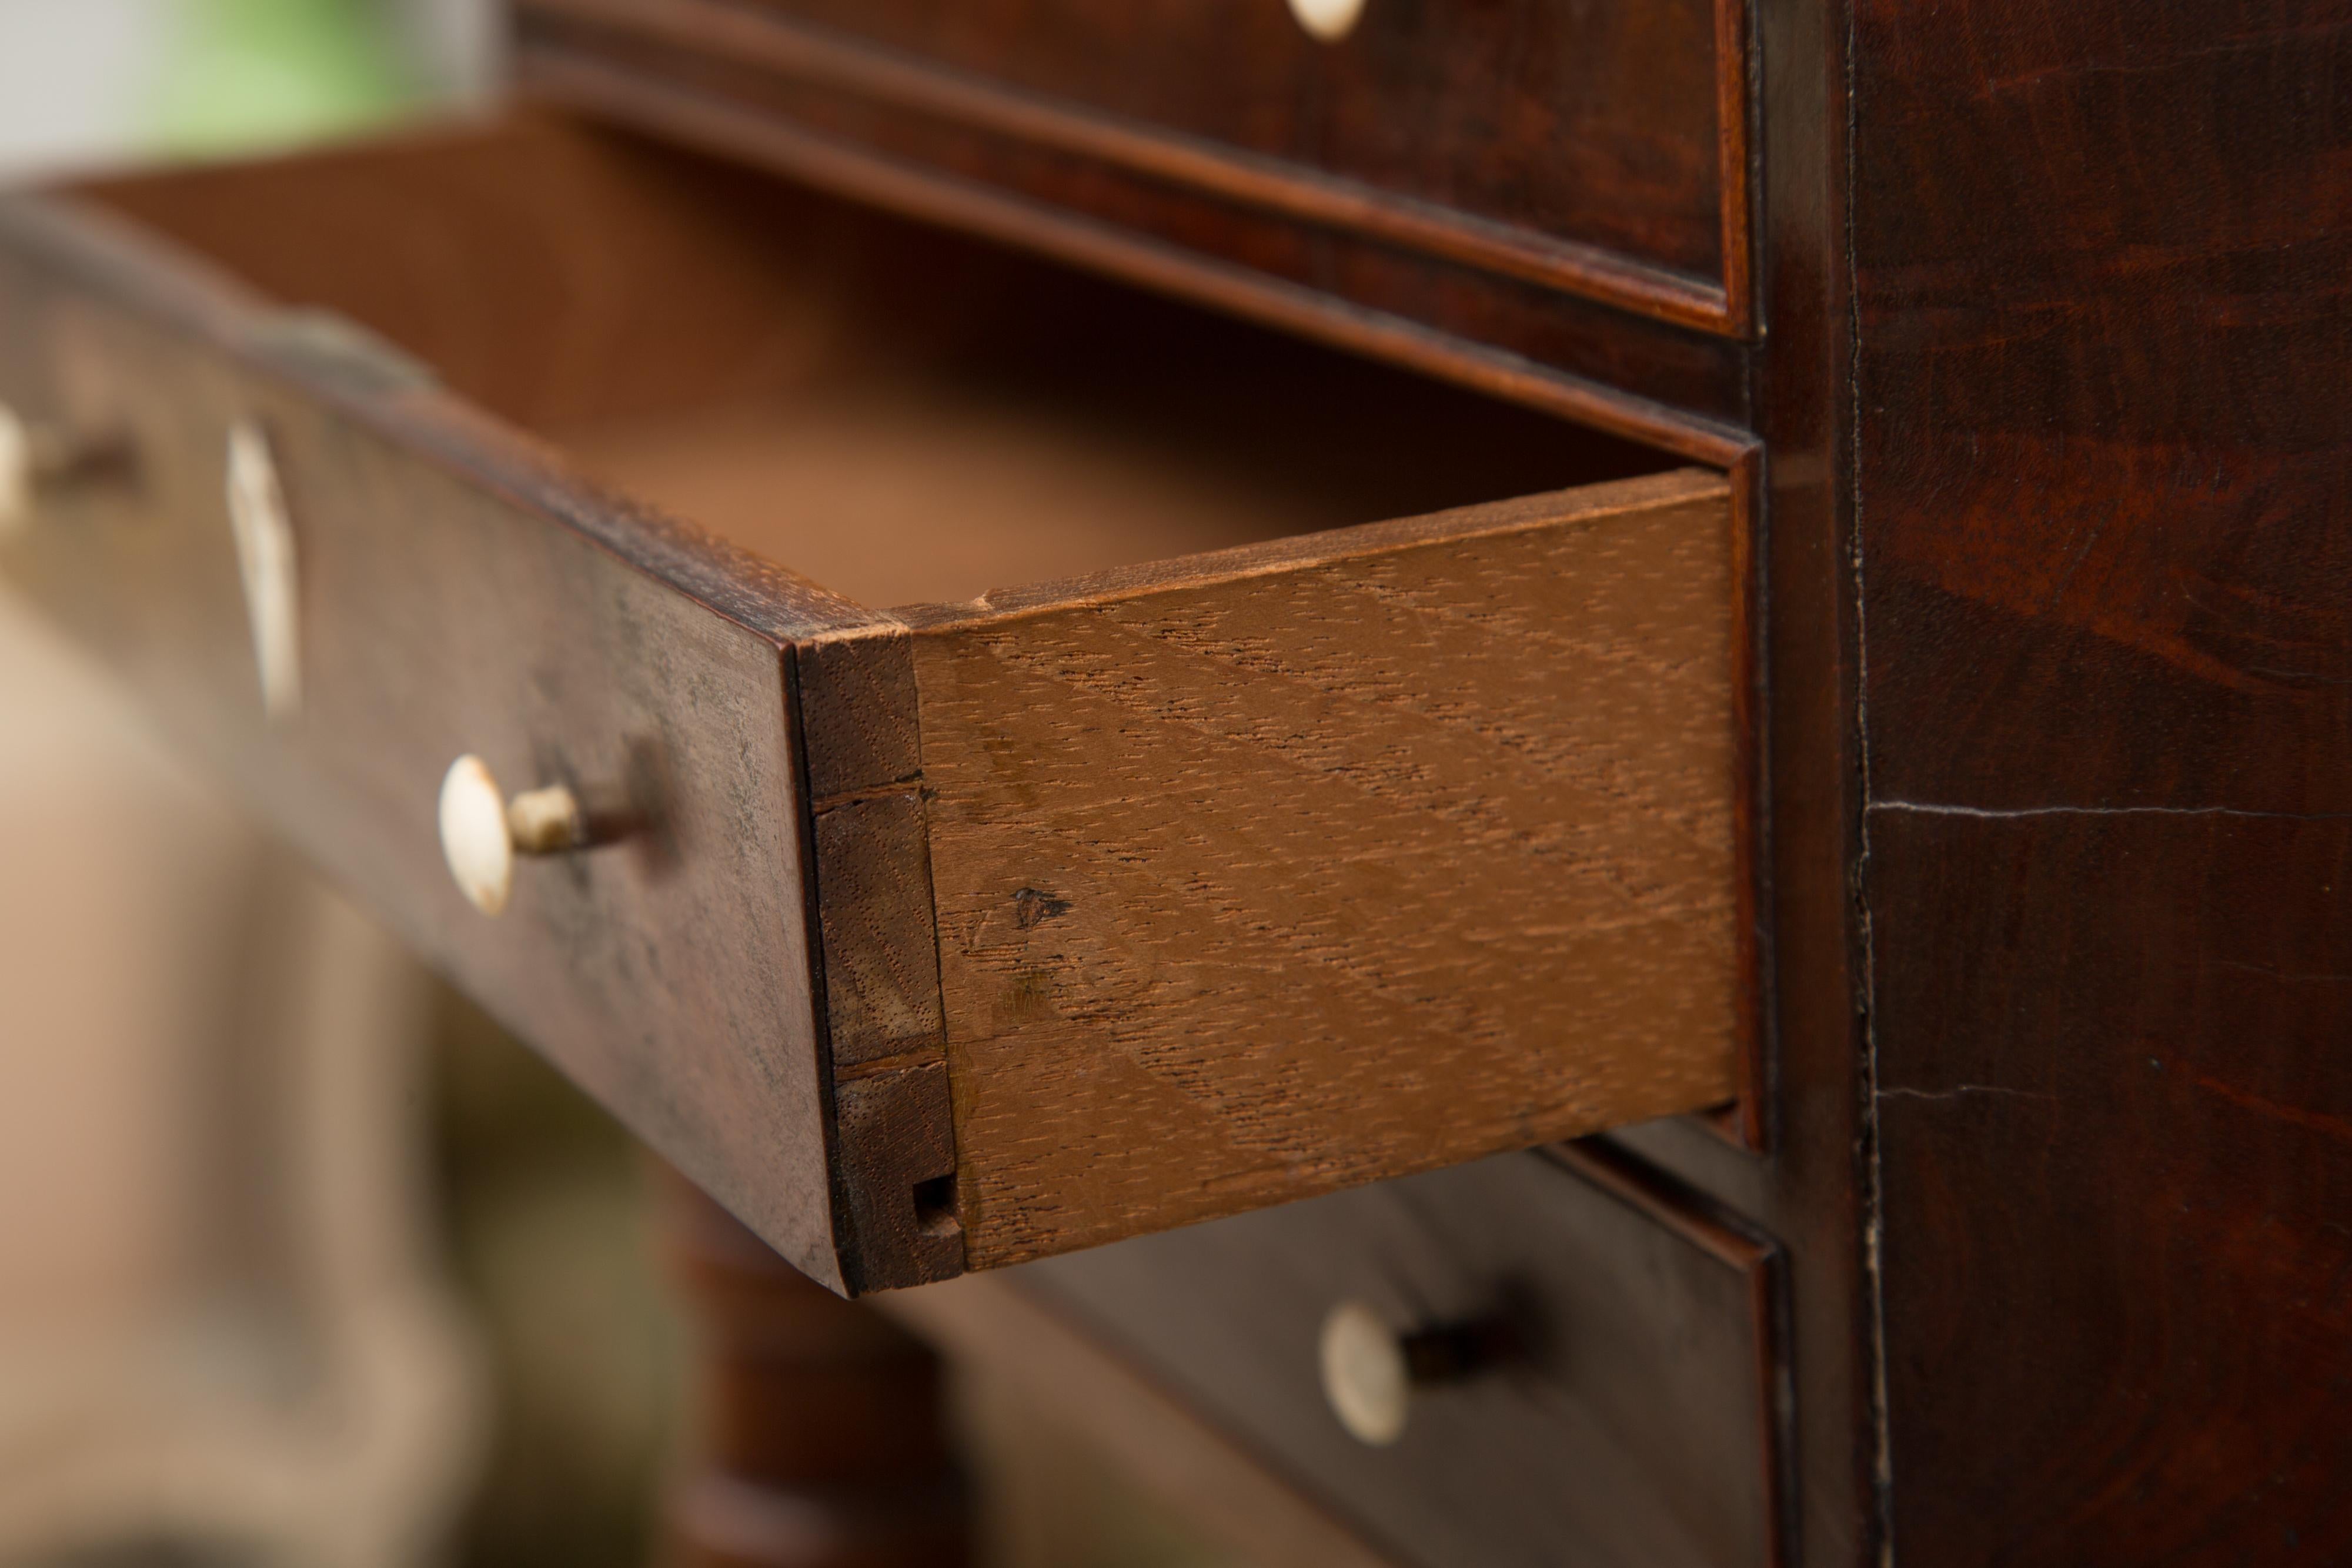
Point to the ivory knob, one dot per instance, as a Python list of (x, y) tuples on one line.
[(1365, 1375), (35, 454), (1330, 20), (264, 533), (1371, 1370), (15, 471), (482, 831)]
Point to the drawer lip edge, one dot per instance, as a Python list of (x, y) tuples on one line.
[(1358, 541)]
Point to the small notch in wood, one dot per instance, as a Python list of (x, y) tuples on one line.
[(935, 1206), (1030, 906)]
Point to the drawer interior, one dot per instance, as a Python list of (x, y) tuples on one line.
[(902, 414)]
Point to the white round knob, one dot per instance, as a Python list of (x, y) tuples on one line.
[(1330, 20), (482, 831), (1365, 1375), (264, 533), (35, 454)]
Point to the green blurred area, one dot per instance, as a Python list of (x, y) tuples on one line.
[(247, 76), (549, 1227)]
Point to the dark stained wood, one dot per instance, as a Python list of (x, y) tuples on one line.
[(874, 901), (1136, 1420), (2103, 282), (464, 246), (1638, 1423), (1590, 122), (2051, 1084), (2141, 1161), (1809, 1195), (823, 1438), (1520, 339), (462, 595), (1808, 1192), (1599, 149)]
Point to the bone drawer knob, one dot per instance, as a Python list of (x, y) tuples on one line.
[(1330, 20), (15, 471), (482, 831), (1370, 1371), (34, 454)]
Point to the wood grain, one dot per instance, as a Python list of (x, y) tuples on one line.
[(2173, 1156), (1593, 122), (546, 272), (1284, 869), (1536, 144), (895, 1162), (2104, 288)]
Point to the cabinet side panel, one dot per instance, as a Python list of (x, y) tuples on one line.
[(2104, 279)]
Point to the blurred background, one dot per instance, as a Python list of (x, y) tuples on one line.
[(301, 1259)]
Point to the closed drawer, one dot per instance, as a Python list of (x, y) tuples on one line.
[(928, 938), (1624, 1412), (1597, 147)]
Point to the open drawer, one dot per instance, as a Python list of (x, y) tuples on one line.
[(934, 938)]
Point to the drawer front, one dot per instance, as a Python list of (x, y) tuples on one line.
[(1589, 120), (1593, 147), (451, 595), (1627, 1415)]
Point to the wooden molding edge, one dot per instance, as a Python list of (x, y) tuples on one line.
[(1594, 272), (1761, 1263)]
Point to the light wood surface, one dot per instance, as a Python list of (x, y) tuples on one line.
[(1302, 865), (898, 488)]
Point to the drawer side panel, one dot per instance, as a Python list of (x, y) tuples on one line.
[(1299, 868)]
